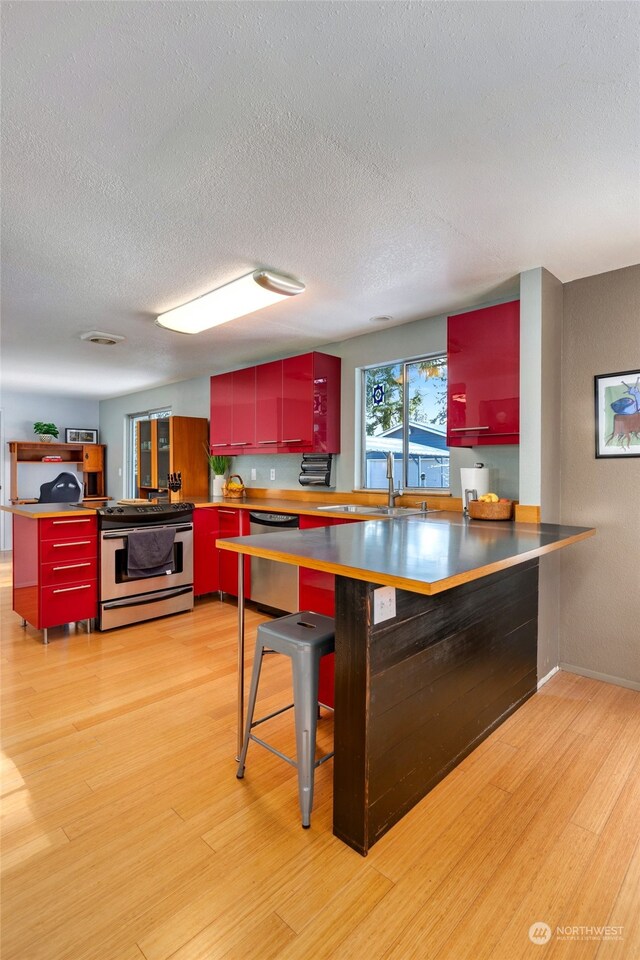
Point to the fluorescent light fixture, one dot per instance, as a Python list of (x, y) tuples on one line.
[(236, 299)]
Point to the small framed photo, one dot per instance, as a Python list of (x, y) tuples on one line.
[(617, 398), (80, 435)]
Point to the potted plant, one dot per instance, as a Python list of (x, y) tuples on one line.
[(218, 464), (46, 431)]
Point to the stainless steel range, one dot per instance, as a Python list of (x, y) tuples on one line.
[(160, 579)]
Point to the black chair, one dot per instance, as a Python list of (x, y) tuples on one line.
[(64, 489)]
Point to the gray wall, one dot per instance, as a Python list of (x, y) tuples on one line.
[(19, 412), (600, 596), (382, 346), (188, 398), (191, 398)]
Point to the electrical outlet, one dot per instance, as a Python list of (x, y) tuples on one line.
[(272, 474), (254, 475), (384, 604)]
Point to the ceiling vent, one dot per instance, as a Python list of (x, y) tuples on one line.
[(104, 339)]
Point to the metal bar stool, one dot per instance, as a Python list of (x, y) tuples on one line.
[(305, 637)]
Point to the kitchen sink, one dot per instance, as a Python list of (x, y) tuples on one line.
[(348, 508), (376, 511), (396, 511)]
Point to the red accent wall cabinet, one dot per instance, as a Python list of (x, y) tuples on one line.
[(483, 360), (55, 570)]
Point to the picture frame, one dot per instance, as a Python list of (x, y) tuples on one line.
[(80, 435), (617, 414)]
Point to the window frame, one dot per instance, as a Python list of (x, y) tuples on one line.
[(404, 363)]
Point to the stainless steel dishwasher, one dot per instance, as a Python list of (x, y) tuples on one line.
[(273, 584)]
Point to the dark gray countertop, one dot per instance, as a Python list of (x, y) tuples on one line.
[(422, 554)]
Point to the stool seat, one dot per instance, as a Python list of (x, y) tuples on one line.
[(305, 637), (299, 630)]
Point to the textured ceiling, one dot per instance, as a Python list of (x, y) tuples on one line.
[(399, 158)]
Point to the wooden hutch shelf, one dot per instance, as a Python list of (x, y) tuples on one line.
[(88, 457)]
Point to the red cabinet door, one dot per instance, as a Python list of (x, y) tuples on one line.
[(483, 393), (297, 402), (311, 403), (69, 603), (221, 412), (269, 406), (243, 421), (205, 552), (232, 523)]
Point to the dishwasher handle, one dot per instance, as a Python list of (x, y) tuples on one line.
[(270, 522)]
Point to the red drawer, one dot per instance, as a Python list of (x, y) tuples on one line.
[(75, 601), (68, 571), (67, 528), (68, 551)]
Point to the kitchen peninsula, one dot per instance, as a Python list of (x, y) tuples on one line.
[(424, 673)]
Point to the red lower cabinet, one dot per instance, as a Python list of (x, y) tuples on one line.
[(205, 552), (55, 570), (317, 592), (232, 523)]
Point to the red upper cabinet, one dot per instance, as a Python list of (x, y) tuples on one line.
[(233, 411), (269, 406), (311, 404), (288, 406), (243, 420), (483, 359), (221, 410)]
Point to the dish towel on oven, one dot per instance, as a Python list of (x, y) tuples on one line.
[(150, 552)]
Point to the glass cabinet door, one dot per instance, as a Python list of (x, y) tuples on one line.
[(145, 478), (163, 451)]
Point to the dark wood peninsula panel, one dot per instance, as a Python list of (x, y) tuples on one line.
[(416, 694)]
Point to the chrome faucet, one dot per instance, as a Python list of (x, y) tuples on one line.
[(393, 494), (468, 495)]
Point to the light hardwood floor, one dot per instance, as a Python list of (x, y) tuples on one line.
[(126, 835)]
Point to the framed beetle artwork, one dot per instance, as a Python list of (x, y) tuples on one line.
[(617, 397)]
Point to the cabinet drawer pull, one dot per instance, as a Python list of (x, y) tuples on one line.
[(296, 440), (73, 543), (267, 441), (72, 566), (225, 444), (84, 520), (460, 429), (84, 586), (222, 510), (239, 443)]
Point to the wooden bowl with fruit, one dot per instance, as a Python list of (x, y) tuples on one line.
[(490, 507)]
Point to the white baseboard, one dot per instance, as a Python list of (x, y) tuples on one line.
[(594, 675), (546, 679)]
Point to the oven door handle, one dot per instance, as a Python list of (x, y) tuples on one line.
[(141, 601), (123, 534)]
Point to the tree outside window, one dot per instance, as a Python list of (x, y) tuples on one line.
[(405, 412)]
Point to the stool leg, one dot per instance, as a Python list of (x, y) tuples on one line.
[(251, 706), (306, 669)]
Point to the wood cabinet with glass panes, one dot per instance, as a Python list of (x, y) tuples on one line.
[(172, 445)]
